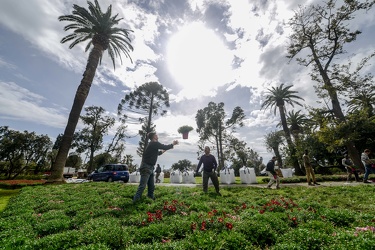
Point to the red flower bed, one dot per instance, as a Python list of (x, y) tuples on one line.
[(20, 183)]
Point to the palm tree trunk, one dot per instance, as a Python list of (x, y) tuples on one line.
[(291, 147), (83, 89), (277, 154)]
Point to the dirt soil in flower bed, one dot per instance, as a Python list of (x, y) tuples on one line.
[(20, 183)]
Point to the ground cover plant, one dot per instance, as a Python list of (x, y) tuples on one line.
[(102, 216), (5, 195)]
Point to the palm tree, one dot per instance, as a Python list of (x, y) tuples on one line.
[(296, 122), (99, 30), (364, 100), (277, 98)]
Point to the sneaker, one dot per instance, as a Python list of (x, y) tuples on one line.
[(310, 184), (366, 181), (218, 193), (316, 183)]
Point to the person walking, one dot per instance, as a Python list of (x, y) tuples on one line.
[(348, 164), (270, 168), (209, 168), (309, 170), (365, 158), (150, 156), (157, 171)]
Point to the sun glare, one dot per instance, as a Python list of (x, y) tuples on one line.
[(198, 60)]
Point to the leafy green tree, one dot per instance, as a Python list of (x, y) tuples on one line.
[(90, 138), (277, 98), (182, 165), (101, 31), (117, 144), (129, 160), (240, 155), (358, 128), (212, 127), (74, 160), (273, 140), (142, 105), (22, 150), (102, 159), (319, 33)]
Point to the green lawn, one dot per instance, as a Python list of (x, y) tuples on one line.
[(102, 216), (5, 195)]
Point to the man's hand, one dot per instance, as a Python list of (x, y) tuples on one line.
[(175, 142)]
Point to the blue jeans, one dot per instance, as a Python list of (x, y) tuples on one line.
[(147, 178), (368, 170)]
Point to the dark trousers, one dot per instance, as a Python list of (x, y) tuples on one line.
[(214, 180), (352, 171)]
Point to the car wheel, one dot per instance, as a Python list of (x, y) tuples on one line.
[(110, 179)]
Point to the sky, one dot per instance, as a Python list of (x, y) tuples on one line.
[(199, 50)]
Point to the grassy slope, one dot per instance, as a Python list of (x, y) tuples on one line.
[(50, 217), (5, 195)]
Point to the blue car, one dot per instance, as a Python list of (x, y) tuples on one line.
[(111, 172)]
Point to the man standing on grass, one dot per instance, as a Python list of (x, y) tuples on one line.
[(309, 170), (149, 159), (209, 168)]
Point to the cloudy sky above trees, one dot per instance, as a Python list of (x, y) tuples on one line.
[(200, 51)]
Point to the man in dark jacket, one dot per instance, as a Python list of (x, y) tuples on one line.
[(150, 156), (272, 173), (209, 167)]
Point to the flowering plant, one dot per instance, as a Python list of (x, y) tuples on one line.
[(20, 183), (184, 129)]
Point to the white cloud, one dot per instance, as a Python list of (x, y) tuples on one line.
[(255, 34), (20, 104)]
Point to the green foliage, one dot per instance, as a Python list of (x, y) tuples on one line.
[(22, 151), (184, 129), (97, 28), (145, 102), (90, 137), (212, 126), (5, 195), (182, 165), (102, 216)]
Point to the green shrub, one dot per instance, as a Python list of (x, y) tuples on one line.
[(104, 229), (102, 216), (340, 218)]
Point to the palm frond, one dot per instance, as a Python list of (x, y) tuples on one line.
[(93, 23)]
